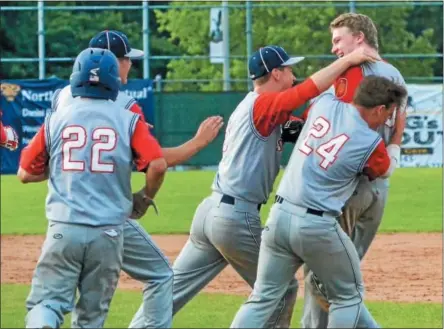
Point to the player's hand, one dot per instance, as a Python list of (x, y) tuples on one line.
[(208, 130), (141, 203), (400, 120), (318, 290), (363, 54), (11, 138)]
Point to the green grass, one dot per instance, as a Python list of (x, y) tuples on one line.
[(414, 204), (415, 201), (217, 311)]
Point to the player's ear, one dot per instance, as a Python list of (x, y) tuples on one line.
[(276, 74), (360, 37), (381, 109)]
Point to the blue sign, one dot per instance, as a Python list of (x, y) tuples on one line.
[(142, 91), (24, 104)]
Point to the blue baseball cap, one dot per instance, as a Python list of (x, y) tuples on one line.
[(117, 42), (268, 58)]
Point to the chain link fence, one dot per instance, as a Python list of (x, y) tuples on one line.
[(178, 60)]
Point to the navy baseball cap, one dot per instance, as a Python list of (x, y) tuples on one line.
[(117, 42), (268, 58)]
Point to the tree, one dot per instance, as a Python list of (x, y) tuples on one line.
[(423, 17), (395, 37), (18, 31), (176, 31), (69, 32), (300, 30)]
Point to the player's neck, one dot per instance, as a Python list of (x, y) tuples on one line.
[(267, 88)]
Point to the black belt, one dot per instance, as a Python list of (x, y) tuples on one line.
[(228, 199), (279, 199)]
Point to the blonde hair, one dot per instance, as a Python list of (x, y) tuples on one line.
[(358, 23)]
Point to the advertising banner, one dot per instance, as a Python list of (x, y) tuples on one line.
[(25, 103), (422, 140)]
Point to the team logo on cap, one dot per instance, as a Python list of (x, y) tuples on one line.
[(94, 75), (341, 88), (10, 91)]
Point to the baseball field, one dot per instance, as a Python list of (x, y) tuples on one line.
[(402, 271)]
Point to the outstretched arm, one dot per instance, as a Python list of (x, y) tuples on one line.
[(274, 108), (206, 133)]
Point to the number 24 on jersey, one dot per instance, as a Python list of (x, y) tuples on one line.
[(330, 149)]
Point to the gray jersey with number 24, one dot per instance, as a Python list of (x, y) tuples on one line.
[(331, 151)]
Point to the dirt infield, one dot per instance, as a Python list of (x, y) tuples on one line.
[(398, 267)]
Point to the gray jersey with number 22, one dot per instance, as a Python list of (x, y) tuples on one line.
[(89, 145)]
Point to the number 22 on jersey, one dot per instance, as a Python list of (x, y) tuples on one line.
[(74, 137), (330, 149)]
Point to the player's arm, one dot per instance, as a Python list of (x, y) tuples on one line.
[(25, 177), (384, 160), (272, 109), (148, 158), (206, 133), (346, 85), (394, 148), (135, 108), (380, 164), (33, 166)]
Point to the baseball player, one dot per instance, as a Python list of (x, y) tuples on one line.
[(362, 213), (226, 227), (86, 150), (8, 137), (338, 143), (142, 258)]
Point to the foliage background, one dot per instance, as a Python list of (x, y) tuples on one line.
[(406, 29)]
